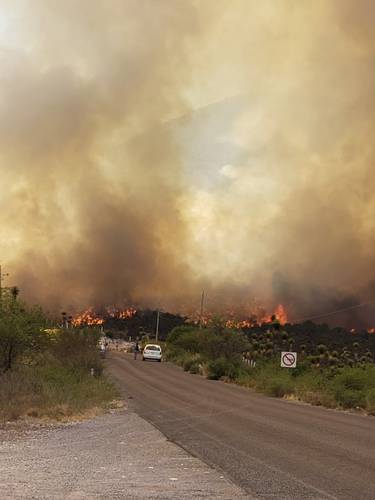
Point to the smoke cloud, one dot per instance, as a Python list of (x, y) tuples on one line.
[(150, 148)]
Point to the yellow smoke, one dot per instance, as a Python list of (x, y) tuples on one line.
[(150, 148)]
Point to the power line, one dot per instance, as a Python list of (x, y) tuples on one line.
[(299, 320)]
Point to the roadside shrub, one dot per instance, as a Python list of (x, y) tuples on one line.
[(352, 379), (351, 386), (184, 338), (221, 367), (194, 367), (178, 331), (279, 387), (245, 379), (326, 374), (301, 368), (78, 348), (47, 371), (270, 378), (370, 401), (22, 335), (318, 398), (177, 356), (211, 343), (173, 354), (189, 361), (350, 398), (51, 391)]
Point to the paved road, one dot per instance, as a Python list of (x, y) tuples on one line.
[(272, 448)]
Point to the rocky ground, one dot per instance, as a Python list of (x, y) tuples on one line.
[(115, 456)]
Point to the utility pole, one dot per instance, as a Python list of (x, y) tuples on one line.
[(157, 325), (64, 320), (2, 276), (201, 313)]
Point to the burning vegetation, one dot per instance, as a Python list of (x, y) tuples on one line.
[(125, 318), (239, 320), (91, 318)]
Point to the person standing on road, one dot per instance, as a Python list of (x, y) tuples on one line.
[(136, 349)]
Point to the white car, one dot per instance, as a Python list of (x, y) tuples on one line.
[(152, 351)]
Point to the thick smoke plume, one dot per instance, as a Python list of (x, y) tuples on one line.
[(151, 148)]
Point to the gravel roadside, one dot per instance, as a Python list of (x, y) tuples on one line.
[(115, 456)]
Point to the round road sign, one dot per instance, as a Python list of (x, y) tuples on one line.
[(288, 359)]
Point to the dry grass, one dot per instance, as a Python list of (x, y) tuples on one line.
[(53, 393)]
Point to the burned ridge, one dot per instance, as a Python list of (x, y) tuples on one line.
[(300, 336)]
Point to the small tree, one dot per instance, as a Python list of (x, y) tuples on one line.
[(78, 348), (15, 291), (21, 332)]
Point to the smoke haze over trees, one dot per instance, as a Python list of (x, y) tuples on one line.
[(150, 149)]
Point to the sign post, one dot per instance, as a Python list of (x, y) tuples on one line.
[(288, 359)]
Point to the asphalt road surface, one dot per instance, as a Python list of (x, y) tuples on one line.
[(270, 447)]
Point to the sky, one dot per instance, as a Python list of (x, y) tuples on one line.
[(150, 149)]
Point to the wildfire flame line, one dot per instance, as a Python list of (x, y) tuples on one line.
[(91, 318), (279, 315)]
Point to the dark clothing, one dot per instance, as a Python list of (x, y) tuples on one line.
[(136, 350)]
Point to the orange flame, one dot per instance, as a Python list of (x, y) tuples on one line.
[(254, 319), (121, 313), (88, 317), (91, 318), (279, 314)]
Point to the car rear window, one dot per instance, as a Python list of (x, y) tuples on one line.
[(152, 347)]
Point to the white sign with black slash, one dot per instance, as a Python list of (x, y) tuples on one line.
[(288, 359)]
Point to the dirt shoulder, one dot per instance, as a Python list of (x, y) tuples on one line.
[(115, 456)]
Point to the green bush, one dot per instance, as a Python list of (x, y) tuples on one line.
[(301, 368), (351, 379), (187, 363), (194, 367), (370, 401), (172, 354), (350, 398), (279, 387), (273, 380), (190, 361), (221, 367), (177, 356), (179, 332), (211, 343), (77, 348), (352, 385), (47, 371), (323, 378), (22, 334)]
